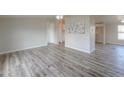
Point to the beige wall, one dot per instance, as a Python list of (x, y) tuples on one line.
[(112, 34), (22, 32)]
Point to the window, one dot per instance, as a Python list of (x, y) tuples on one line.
[(121, 32)]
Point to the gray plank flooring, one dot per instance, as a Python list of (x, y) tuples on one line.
[(58, 61)]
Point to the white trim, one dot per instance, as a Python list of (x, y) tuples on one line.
[(114, 43), (53, 43), (82, 50), (11, 51)]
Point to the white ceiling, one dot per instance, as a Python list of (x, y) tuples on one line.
[(108, 19), (51, 18), (27, 16)]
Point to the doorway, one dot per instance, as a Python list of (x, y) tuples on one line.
[(61, 32), (100, 34)]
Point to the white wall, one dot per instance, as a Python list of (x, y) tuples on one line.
[(53, 32), (82, 42), (22, 32), (112, 34), (92, 34)]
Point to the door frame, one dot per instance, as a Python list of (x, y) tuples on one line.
[(104, 32)]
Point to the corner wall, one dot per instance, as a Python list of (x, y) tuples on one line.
[(92, 34)]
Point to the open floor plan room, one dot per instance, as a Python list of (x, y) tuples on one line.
[(61, 46)]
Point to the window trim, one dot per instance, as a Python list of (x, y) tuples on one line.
[(119, 32)]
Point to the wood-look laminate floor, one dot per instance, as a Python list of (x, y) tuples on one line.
[(53, 60)]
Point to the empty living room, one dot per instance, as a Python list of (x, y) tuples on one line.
[(61, 46)]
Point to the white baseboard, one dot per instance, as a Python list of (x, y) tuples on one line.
[(11, 51), (114, 43), (82, 50), (92, 50), (54, 43)]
